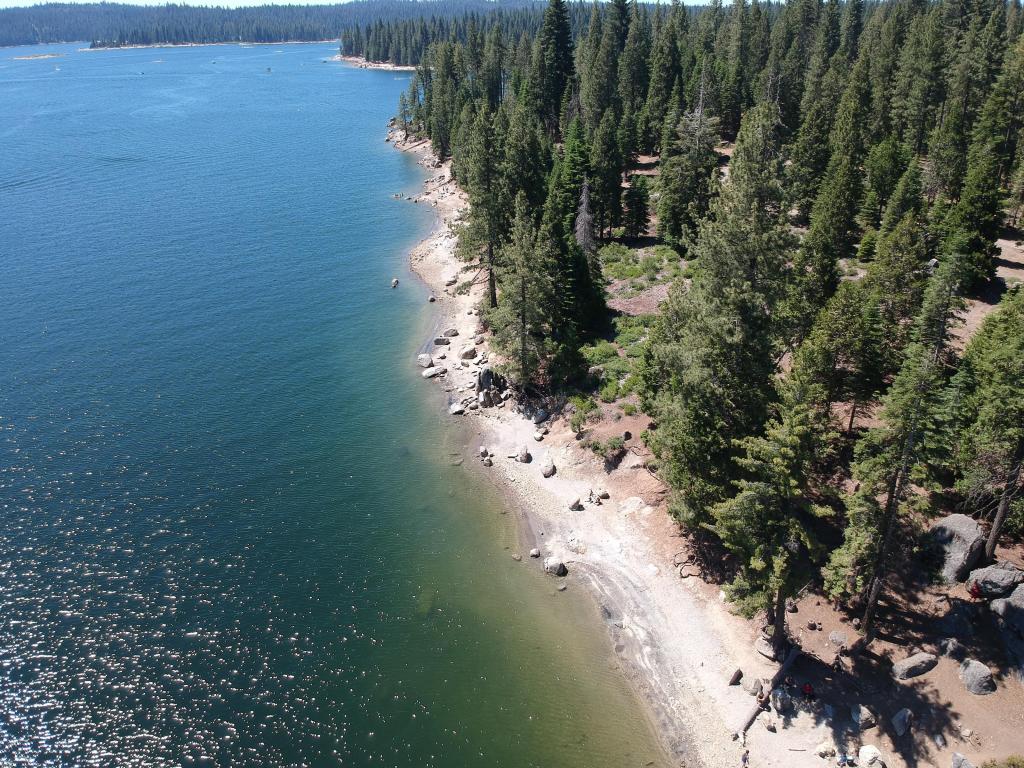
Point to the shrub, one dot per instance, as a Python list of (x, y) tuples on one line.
[(610, 391), (629, 409), (582, 408), (600, 353)]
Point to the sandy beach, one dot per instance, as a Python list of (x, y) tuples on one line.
[(676, 640), (359, 61)]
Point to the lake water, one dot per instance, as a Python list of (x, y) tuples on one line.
[(232, 529)]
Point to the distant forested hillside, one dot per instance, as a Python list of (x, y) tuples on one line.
[(115, 24)]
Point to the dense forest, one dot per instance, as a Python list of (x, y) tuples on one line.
[(116, 24), (824, 182)]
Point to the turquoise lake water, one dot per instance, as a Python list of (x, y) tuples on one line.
[(233, 530)]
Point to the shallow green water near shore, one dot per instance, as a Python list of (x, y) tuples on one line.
[(231, 527)]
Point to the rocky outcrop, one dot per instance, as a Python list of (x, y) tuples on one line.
[(977, 678), (996, 580), (913, 666), (961, 541)]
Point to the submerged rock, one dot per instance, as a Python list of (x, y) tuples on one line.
[(555, 567)]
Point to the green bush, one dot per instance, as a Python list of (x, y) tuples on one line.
[(609, 391), (1015, 761), (629, 409), (582, 408), (600, 353)]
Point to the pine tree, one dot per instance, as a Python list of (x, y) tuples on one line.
[(552, 63), (483, 185), (885, 165), (689, 173), (889, 457), (636, 198), (987, 418), (707, 376), (522, 322), (664, 76), (766, 523), (606, 174)]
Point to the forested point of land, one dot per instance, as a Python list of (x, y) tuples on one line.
[(117, 24), (760, 226)]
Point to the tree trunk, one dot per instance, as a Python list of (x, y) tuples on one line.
[(779, 625), (492, 286), (853, 414), (1009, 491), (522, 331)]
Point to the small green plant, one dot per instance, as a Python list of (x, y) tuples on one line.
[(629, 409), (609, 391), (600, 353), (582, 408)]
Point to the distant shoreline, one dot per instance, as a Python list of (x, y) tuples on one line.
[(239, 43)]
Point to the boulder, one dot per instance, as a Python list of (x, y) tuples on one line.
[(1011, 609), (790, 605), (487, 462), (468, 353), (976, 677), (540, 416), (601, 493), (838, 639), (751, 685), (870, 756), (534, 552), (996, 580), (484, 453), (959, 761), (575, 505), (862, 717), (523, 455), (736, 677), (450, 333), (782, 702), (394, 282), (424, 361), (950, 646), (826, 749), (538, 436), (479, 339), (456, 409), (432, 371), (441, 341), (484, 399), (769, 723), (548, 468), (901, 721), (555, 567), (961, 542), (432, 298), (913, 666), (764, 647), (451, 281)]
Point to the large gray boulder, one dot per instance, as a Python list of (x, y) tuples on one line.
[(862, 717), (432, 371), (961, 541), (913, 666), (782, 702), (996, 580), (1009, 615), (424, 361), (548, 468), (959, 761), (977, 678)]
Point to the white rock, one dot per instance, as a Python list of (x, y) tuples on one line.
[(424, 361), (534, 552), (432, 371)]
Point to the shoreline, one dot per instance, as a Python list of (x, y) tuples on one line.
[(361, 63), (675, 639)]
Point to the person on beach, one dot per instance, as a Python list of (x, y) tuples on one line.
[(745, 760)]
